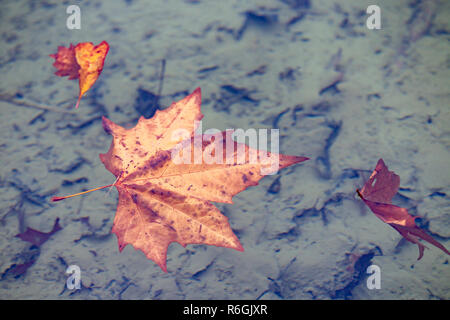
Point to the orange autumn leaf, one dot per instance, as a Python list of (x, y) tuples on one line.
[(84, 61), (377, 194), (163, 200), (90, 58)]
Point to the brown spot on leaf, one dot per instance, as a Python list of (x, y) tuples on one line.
[(159, 160)]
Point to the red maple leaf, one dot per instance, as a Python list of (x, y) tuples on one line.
[(164, 200), (377, 194), (66, 63), (84, 62)]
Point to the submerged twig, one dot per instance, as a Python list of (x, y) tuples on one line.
[(24, 103), (161, 81), (161, 76)]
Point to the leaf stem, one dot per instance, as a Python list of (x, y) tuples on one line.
[(80, 193), (78, 102), (359, 194)]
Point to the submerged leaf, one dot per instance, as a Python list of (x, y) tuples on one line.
[(37, 237)]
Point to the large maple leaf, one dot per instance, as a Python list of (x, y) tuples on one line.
[(83, 61), (162, 200), (377, 194)]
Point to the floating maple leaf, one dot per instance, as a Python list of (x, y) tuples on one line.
[(84, 61), (377, 194), (161, 201)]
